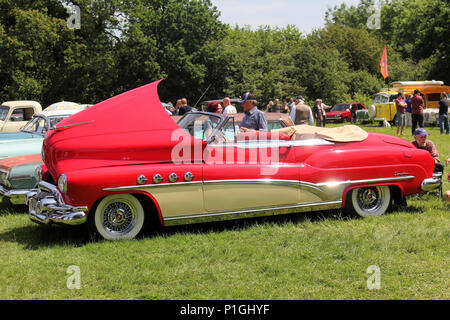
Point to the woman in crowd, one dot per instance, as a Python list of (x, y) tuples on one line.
[(285, 108), (319, 113)]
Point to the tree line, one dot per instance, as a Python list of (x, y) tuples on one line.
[(123, 44)]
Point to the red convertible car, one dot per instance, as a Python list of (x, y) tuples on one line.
[(119, 175)]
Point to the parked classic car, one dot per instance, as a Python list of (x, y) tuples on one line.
[(17, 177), (29, 140), (384, 101), (155, 171), (17, 174), (344, 112), (15, 114)]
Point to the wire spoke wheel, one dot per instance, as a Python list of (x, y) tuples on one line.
[(370, 201), (119, 217)]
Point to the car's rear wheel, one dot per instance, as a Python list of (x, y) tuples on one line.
[(369, 201), (118, 217)]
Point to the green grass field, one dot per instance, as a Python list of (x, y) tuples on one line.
[(303, 256)]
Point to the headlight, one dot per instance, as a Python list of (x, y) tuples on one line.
[(4, 179), (62, 183), (38, 174)]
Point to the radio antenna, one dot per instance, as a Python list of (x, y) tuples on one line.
[(203, 95)]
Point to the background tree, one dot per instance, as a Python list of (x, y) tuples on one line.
[(123, 44)]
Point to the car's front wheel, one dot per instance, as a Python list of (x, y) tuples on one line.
[(118, 217), (369, 201)]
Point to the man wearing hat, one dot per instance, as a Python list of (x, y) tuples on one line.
[(301, 113), (254, 119), (421, 142)]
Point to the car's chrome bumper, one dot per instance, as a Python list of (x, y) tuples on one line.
[(431, 184), (46, 205), (14, 196)]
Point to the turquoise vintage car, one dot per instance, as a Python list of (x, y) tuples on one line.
[(29, 140), (17, 177)]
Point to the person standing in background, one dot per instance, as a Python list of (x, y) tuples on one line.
[(443, 113), (291, 104), (254, 119), (417, 106), (301, 113), (319, 113), (178, 105), (185, 108), (408, 111), (276, 106), (286, 108), (400, 117), (228, 107)]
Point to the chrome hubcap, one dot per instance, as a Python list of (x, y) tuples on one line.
[(119, 217)]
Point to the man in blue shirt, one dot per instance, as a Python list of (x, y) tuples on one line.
[(254, 119), (408, 111)]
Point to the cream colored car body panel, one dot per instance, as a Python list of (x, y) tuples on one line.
[(8, 124)]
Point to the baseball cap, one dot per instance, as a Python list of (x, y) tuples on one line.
[(247, 96), (420, 132)]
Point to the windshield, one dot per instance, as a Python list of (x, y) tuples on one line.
[(3, 112), (36, 125), (380, 99), (41, 124), (200, 125), (341, 107)]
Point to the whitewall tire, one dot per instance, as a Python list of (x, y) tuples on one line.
[(119, 217), (370, 201)]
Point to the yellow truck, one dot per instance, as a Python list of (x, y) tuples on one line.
[(383, 107)]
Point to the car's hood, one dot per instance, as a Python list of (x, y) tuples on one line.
[(130, 128), (334, 113), (9, 163), (18, 136)]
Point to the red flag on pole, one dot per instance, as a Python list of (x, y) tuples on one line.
[(384, 64)]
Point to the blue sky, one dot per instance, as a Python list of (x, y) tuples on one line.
[(306, 15)]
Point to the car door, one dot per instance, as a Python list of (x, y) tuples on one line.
[(249, 175)]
